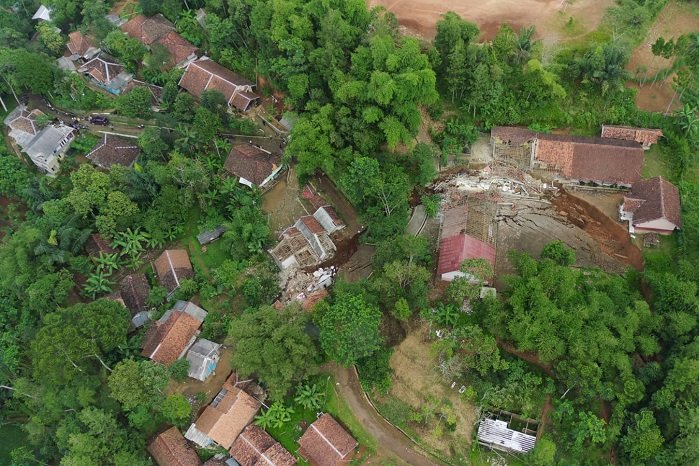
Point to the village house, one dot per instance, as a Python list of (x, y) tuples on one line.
[(495, 432), (455, 245), (169, 338), (233, 408), (114, 150), (644, 136), (327, 443), (604, 161), (253, 165), (652, 206), (203, 357), (106, 73), (134, 291), (45, 146), (43, 13), (304, 244), (158, 31), (255, 447), (96, 244), (169, 448), (329, 219), (81, 47), (172, 267), (205, 74)]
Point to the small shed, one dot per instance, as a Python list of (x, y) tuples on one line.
[(210, 236), (495, 431), (329, 219), (203, 357)]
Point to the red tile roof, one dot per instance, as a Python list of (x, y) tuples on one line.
[(78, 44), (205, 74), (114, 150), (134, 290), (171, 449), (654, 199), (165, 341), (454, 250), (326, 443), (172, 266), (102, 68), (312, 224), (179, 48), (645, 136), (147, 30), (255, 447), (252, 163), (512, 135)]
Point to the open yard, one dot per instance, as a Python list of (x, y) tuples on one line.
[(549, 16), (677, 18), (418, 391)]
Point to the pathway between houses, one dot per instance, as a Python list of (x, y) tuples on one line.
[(390, 439)]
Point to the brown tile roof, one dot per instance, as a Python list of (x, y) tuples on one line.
[(654, 199), (326, 443), (134, 291), (172, 266), (312, 224), (114, 150), (225, 421), (645, 136), (171, 449), (591, 158), (96, 244), (78, 44), (206, 74), (513, 135), (243, 99), (251, 162), (255, 447), (178, 47), (102, 68), (454, 250), (26, 121), (147, 30), (166, 341)]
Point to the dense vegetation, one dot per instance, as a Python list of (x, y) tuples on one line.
[(618, 353)]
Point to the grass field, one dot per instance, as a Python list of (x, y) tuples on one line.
[(656, 164)]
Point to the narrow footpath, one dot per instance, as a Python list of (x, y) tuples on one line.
[(389, 439)]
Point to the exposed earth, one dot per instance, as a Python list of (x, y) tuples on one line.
[(548, 16)]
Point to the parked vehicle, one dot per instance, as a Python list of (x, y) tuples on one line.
[(99, 120)]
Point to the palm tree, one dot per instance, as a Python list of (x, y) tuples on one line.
[(97, 284), (189, 139), (107, 263), (446, 314), (524, 45), (309, 396)]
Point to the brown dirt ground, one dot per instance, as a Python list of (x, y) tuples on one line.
[(415, 379), (677, 18), (282, 203), (420, 16), (608, 203)]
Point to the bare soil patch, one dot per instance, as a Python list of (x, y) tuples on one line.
[(282, 204), (420, 16), (416, 381), (677, 18), (211, 386)]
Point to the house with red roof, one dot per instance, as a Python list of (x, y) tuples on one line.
[(169, 338), (652, 206), (157, 31), (327, 443), (205, 74), (253, 165)]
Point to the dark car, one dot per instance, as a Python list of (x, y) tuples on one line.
[(99, 120)]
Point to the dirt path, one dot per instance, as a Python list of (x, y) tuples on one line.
[(388, 437)]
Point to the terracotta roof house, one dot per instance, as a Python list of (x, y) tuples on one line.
[(81, 47), (45, 146), (95, 245), (203, 357), (114, 150), (147, 30), (326, 443), (253, 165), (454, 250), (134, 291), (205, 74), (171, 267), (644, 136), (170, 448), (169, 338), (226, 417), (181, 51), (107, 73), (255, 447), (604, 161), (652, 206), (327, 217), (304, 244)]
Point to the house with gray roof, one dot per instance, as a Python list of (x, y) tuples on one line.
[(203, 357), (45, 146)]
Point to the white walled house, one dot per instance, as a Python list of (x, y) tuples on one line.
[(652, 206)]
